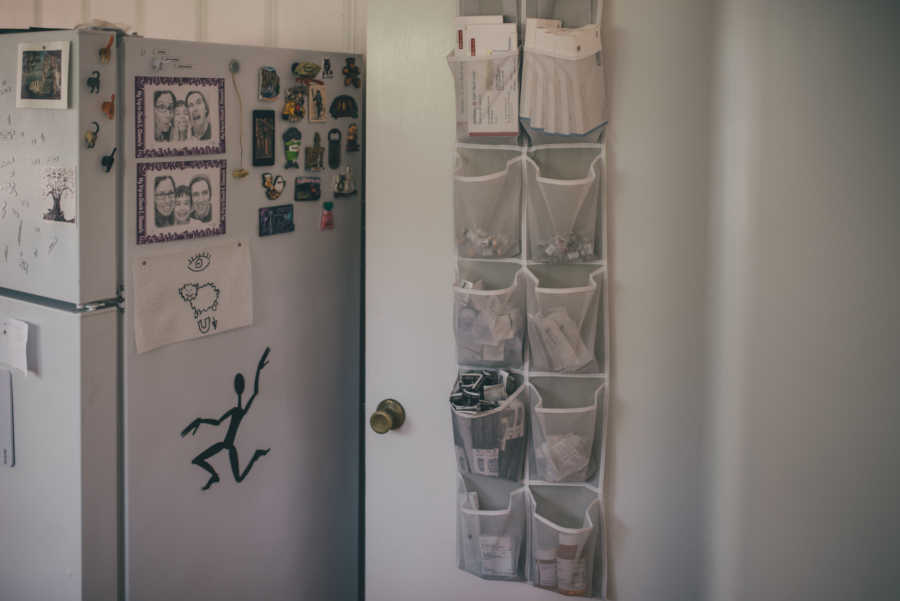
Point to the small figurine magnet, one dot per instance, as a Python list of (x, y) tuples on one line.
[(276, 220), (315, 154), (327, 73), (344, 106), (109, 107), (269, 83), (327, 221), (274, 185), (351, 73), (294, 104), (317, 104), (105, 53), (353, 138), (344, 184), (93, 82), (307, 188), (291, 138), (107, 161), (90, 137), (334, 148)]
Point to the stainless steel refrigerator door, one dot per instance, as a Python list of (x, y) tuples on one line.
[(290, 529), (58, 505), (73, 257)]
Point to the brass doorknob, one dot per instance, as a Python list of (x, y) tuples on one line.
[(389, 415)]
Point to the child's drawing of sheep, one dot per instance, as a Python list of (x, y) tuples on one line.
[(201, 298)]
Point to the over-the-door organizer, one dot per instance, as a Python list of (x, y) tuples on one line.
[(530, 293)]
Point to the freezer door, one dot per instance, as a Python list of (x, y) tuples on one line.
[(58, 523), (58, 208), (283, 525)]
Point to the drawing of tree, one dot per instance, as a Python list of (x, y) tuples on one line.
[(57, 182)]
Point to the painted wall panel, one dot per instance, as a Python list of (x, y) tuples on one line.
[(16, 13), (115, 11), (59, 13), (236, 22), (171, 19), (319, 25)]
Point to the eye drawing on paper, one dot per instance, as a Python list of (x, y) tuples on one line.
[(234, 416), (200, 261)]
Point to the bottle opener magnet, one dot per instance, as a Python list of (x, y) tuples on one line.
[(334, 148)]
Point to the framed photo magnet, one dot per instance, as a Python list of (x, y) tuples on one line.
[(42, 80)]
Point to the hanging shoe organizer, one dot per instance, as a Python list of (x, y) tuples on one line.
[(530, 293)]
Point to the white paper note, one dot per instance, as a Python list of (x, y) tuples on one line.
[(191, 294), (14, 343)]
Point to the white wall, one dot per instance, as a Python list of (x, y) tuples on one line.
[(339, 26), (805, 264)]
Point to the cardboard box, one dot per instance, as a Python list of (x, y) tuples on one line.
[(460, 48), (566, 43), (484, 40)]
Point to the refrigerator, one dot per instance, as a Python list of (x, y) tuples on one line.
[(141, 465)]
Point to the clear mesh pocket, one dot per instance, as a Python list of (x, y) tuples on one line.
[(566, 431), (487, 97), (492, 443), (562, 188), (489, 314), (562, 96), (487, 201), (491, 526), (564, 318), (565, 553)]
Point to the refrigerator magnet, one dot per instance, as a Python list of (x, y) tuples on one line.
[(263, 138), (273, 186), (105, 53), (344, 183), (317, 102), (269, 85), (90, 135), (353, 138), (327, 72), (42, 81), (307, 188), (344, 106), (107, 161), (305, 72), (327, 220), (351, 73), (294, 108), (291, 139), (314, 159), (276, 220), (109, 107), (334, 148), (93, 82)]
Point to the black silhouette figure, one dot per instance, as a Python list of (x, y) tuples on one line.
[(93, 82), (235, 415), (107, 161)]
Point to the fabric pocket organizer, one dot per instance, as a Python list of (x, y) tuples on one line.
[(562, 95), (562, 191), (489, 314), (487, 97), (564, 318), (490, 528), (487, 201), (492, 443), (565, 553), (566, 428)]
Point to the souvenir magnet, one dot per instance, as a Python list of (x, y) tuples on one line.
[(107, 161), (353, 138), (334, 148), (315, 154), (307, 188), (351, 73), (276, 220), (109, 107), (305, 71), (274, 185), (294, 104), (344, 106), (93, 82), (269, 83), (327, 73), (291, 138), (344, 183), (90, 137), (263, 138), (317, 104), (105, 53), (327, 221)]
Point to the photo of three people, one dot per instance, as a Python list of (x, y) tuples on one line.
[(179, 120), (179, 116), (183, 204)]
